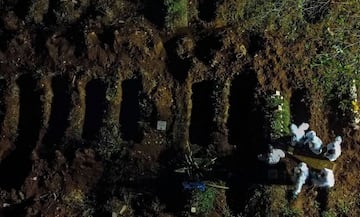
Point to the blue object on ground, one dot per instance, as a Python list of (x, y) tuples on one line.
[(194, 185)]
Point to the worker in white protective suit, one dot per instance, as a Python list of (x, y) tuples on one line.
[(299, 177), (273, 156), (298, 133), (333, 149), (325, 179), (314, 142)]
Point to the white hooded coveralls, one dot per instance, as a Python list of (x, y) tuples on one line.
[(314, 142), (298, 133), (334, 149), (301, 173), (325, 179), (272, 157)]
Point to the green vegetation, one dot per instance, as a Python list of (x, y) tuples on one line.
[(176, 14), (329, 213), (204, 201), (338, 63), (278, 114), (269, 201), (288, 211), (343, 207), (77, 202)]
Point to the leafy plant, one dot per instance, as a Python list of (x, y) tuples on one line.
[(291, 212), (337, 65), (343, 207), (204, 200), (177, 13), (329, 213), (277, 109)]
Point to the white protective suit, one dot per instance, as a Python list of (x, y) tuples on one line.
[(273, 157), (325, 179), (334, 149), (301, 173), (314, 142), (298, 133)]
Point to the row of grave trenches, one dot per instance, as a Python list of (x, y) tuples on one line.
[(204, 84), (211, 108)]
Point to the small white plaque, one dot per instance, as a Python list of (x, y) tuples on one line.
[(161, 125), (193, 210)]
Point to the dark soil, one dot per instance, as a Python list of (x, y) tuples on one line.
[(83, 85)]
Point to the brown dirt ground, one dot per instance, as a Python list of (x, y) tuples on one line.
[(69, 175)]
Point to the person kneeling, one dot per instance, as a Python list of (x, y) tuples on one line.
[(333, 149), (325, 179)]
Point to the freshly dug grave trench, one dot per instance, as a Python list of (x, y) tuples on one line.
[(17, 166), (59, 117), (95, 108)]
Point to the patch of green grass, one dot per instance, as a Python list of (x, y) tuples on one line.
[(204, 201), (343, 207), (269, 201), (176, 14), (329, 213), (287, 211), (338, 62)]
